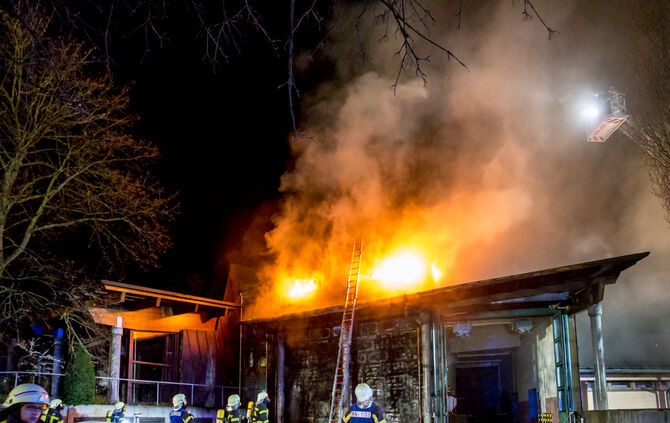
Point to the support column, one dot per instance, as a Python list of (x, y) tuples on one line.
[(427, 367), (600, 383), (115, 363), (281, 345)]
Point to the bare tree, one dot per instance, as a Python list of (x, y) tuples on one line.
[(76, 199), (649, 75)]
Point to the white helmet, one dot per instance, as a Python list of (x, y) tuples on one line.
[(262, 396), (27, 392), (55, 403), (119, 405), (178, 401), (363, 392), (233, 401)]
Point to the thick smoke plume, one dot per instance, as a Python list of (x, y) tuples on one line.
[(485, 171)]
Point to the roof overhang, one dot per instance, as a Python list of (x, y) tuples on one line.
[(572, 288), (143, 308)]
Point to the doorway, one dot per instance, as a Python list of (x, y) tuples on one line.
[(485, 386)]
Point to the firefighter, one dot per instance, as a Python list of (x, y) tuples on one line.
[(53, 413), (115, 415), (234, 414), (261, 409), (364, 411), (24, 404), (179, 414)]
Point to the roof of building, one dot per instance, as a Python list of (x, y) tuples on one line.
[(143, 308), (572, 287)]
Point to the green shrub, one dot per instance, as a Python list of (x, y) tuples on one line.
[(79, 381)]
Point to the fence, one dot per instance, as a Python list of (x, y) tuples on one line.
[(141, 391)]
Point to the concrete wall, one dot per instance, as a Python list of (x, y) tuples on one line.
[(525, 370), (535, 368), (626, 416), (483, 338), (97, 412), (627, 400), (546, 365)]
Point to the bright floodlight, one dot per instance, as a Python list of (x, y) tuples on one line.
[(590, 112)]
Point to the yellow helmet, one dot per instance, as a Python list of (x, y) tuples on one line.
[(27, 392), (120, 405), (55, 403)]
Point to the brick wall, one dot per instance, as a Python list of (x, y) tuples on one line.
[(384, 355)]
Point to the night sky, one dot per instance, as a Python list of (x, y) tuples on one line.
[(222, 131)]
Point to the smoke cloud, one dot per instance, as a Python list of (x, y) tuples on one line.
[(485, 171)]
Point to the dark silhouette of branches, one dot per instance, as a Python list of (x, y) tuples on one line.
[(224, 26), (648, 73), (76, 199)]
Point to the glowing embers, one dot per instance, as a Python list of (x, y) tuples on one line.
[(302, 288), (405, 269)]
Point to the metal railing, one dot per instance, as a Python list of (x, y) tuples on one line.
[(211, 396)]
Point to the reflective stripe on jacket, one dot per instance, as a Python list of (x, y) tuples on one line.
[(372, 414), (261, 414), (113, 416), (53, 416), (237, 415), (180, 416)]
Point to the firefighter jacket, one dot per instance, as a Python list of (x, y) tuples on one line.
[(237, 415), (52, 416), (180, 415), (261, 413), (113, 416), (372, 414)]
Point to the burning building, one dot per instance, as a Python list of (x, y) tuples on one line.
[(506, 348)]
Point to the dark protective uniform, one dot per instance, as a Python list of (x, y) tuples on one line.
[(261, 413), (114, 416), (237, 415), (372, 414), (53, 415), (180, 415)]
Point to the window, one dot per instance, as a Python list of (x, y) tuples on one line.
[(152, 356), (619, 385), (645, 384)]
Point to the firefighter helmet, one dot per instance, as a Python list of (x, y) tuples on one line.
[(178, 401), (261, 397), (27, 392), (120, 405), (233, 401), (363, 392), (55, 403)]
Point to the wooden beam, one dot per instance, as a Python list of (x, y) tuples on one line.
[(151, 319), (167, 295)]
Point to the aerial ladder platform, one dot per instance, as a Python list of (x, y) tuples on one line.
[(346, 332), (610, 115)]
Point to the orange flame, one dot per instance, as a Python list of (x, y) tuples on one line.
[(302, 288), (405, 270)]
